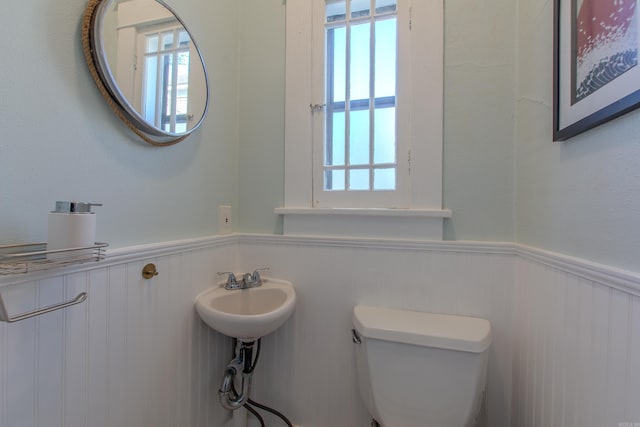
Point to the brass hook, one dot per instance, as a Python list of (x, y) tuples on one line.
[(149, 271)]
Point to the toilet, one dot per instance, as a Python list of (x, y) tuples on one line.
[(420, 369)]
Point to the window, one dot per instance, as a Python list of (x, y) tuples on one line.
[(363, 117), (359, 159), (360, 152)]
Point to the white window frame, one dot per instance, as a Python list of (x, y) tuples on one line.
[(419, 124)]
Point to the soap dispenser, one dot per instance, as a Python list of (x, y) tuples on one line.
[(71, 225)]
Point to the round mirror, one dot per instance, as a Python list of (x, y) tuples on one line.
[(147, 66)]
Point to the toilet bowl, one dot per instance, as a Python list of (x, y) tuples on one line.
[(420, 369)]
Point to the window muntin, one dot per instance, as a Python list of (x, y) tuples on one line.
[(360, 149)]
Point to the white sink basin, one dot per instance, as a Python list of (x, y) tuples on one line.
[(247, 314)]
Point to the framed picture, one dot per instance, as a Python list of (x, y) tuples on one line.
[(596, 70)]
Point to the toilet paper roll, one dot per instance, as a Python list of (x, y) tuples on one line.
[(71, 230)]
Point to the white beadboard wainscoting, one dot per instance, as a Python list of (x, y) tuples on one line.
[(576, 343), (565, 351), (311, 368), (133, 355)]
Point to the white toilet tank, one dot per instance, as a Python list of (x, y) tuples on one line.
[(420, 369)]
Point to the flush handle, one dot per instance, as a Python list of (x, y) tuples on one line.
[(355, 336)]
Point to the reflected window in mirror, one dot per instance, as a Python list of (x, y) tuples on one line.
[(165, 77)]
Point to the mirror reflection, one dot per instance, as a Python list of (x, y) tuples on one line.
[(151, 65)]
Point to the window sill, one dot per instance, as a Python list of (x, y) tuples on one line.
[(423, 224)]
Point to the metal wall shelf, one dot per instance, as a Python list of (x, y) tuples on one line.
[(27, 257)]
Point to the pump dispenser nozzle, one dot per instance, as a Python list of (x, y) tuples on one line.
[(75, 207)]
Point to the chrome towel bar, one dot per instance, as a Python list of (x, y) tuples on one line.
[(4, 315)]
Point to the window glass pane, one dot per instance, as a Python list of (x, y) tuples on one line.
[(334, 180), (359, 137), (384, 136), (336, 10), (335, 155), (183, 67), (384, 179), (359, 179), (152, 43), (167, 40), (182, 98), (385, 58), (181, 127), (150, 86), (183, 39), (167, 84), (360, 8), (339, 59), (360, 61), (383, 6), (182, 88)]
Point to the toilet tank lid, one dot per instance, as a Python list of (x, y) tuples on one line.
[(470, 334)]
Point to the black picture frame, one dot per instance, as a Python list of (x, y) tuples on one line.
[(575, 109)]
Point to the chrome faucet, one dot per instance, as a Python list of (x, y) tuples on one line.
[(249, 280)]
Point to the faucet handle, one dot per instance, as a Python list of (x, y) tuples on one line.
[(256, 274), (232, 282)]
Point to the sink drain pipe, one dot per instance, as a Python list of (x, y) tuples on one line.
[(243, 363)]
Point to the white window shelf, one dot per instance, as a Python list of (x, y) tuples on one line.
[(421, 224)]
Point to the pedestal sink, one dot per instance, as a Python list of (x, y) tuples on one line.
[(247, 314)]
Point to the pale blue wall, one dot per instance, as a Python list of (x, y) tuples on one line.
[(60, 141), (581, 198), (479, 117), (81, 151), (479, 87), (261, 114), (503, 177)]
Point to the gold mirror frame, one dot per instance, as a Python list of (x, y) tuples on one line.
[(105, 81)]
